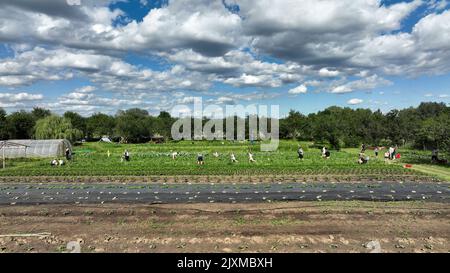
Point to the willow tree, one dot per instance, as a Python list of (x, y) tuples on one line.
[(55, 127)]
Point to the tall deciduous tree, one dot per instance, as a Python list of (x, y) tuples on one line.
[(4, 126), (133, 125), (55, 127), (39, 113), (21, 125), (78, 122), (99, 125)]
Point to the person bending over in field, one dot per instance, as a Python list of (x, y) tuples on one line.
[(54, 162), (250, 158), (300, 153), (200, 159), (327, 154), (126, 155), (174, 155), (216, 154), (363, 159), (233, 158), (61, 162), (324, 150)]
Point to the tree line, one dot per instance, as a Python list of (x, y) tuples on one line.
[(426, 126), (132, 126)]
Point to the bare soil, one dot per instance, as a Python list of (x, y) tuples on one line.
[(271, 227)]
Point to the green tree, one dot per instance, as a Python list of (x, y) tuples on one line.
[(21, 125), (39, 113), (434, 133), (295, 125), (55, 127), (99, 125), (162, 125), (133, 125), (4, 126), (78, 122)]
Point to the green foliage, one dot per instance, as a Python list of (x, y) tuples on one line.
[(435, 133), (4, 130), (78, 122), (155, 159), (295, 126), (21, 125), (422, 127), (39, 113), (99, 125), (133, 125), (55, 127), (425, 126)]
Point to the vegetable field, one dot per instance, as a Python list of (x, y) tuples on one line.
[(91, 159)]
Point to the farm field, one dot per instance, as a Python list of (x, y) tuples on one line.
[(155, 160), (275, 227), (278, 204)]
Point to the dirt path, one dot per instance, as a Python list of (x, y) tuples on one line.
[(275, 227)]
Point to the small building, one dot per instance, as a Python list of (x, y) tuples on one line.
[(34, 148)]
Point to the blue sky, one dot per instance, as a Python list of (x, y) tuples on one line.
[(102, 56)]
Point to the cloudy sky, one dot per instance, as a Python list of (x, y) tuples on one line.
[(90, 56)]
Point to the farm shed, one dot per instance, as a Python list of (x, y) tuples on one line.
[(34, 148)]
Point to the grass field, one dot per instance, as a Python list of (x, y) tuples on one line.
[(155, 159)]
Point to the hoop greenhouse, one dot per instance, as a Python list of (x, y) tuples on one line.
[(34, 148)]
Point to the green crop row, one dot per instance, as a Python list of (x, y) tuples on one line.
[(91, 159)]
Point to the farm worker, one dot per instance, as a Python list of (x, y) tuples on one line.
[(61, 162), (250, 158), (300, 153), (324, 150), (394, 155), (174, 155), (363, 148), (434, 155), (376, 151), (126, 155), (387, 156), (54, 162), (391, 152), (362, 159), (108, 153), (327, 154), (68, 154), (200, 159), (216, 154), (233, 158)]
